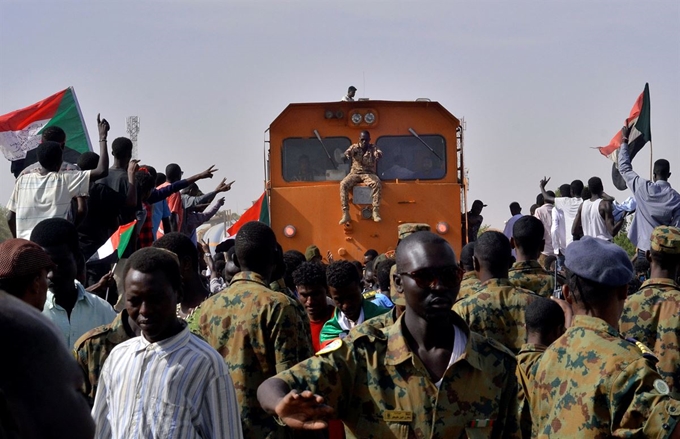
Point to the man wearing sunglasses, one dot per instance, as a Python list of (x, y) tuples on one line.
[(427, 375), (496, 310)]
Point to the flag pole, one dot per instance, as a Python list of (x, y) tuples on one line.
[(651, 162), (107, 285)]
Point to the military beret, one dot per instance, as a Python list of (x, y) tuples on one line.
[(599, 261), (19, 257), (666, 239), (311, 252), (407, 229)]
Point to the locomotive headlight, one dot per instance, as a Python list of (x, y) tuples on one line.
[(289, 231), (442, 227), (369, 118), (356, 118)]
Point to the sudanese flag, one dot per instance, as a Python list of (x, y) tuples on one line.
[(21, 130), (259, 211), (639, 122)]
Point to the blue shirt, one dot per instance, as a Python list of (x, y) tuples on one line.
[(382, 300), (657, 203), (160, 211)]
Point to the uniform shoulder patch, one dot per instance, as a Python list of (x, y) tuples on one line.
[(332, 346), (368, 295), (498, 346), (646, 352)]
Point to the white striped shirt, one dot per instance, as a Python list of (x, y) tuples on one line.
[(176, 388)]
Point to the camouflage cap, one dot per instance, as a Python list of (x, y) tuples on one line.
[(311, 252), (407, 229), (666, 239), (396, 297)]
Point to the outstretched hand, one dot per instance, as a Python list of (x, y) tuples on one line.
[(103, 127), (223, 186), (625, 132), (544, 182), (305, 411), (208, 173)]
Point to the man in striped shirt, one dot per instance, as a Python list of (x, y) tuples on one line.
[(167, 383)]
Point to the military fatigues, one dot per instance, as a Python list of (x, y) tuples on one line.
[(652, 316), (364, 165), (469, 285), (527, 358), (379, 389), (497, 311), (593, 383), (531, 276), (94, 347), (280, 287), (382, 321), (259, 333)]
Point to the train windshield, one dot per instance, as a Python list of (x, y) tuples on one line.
[(308, 159), (412, 158)]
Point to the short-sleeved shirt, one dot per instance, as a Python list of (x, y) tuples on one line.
[(652, 316), (544, 214), (88, 312), (94, 347), (363, 162), (37, 197), (380, 389), (531, 276), (176, 205), (497, 311), (259, 333), (569, 208), (592, 382)]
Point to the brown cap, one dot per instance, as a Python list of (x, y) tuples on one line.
[(19, 257)]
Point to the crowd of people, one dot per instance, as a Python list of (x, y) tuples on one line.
[(547, 329)]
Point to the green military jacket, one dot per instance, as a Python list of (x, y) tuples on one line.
[(652, 316), (259, 333), (469, 285), (331, 329), (497, 311), (380, 389), (94, 347), (593, 383), (531, 276), (381, 321), (527, 358)]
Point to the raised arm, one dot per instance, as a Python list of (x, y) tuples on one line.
[(131, 200), (546, 196), (208, 173), (102, 169), (625, 166)]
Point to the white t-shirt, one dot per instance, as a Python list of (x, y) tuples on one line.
[(569, 207), (37, 197), (459, 343)]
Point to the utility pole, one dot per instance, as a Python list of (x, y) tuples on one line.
[(132, 123)]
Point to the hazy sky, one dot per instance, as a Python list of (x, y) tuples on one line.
[(538, 82)]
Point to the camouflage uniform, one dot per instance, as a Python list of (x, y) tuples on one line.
[(531, 276), (592, 383), (363, 170), (259, 333), (379, 389), (469, 285), (94, 347), (382, 321), (652, 316), (280, 287), (527, 358), (497, 311)]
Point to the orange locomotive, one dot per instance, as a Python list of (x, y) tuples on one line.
[(421, 171)]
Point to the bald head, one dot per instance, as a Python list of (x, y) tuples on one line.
[(414, 245), (41, 385)]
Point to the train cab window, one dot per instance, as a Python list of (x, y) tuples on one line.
[(408, 158), (307, 160)]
